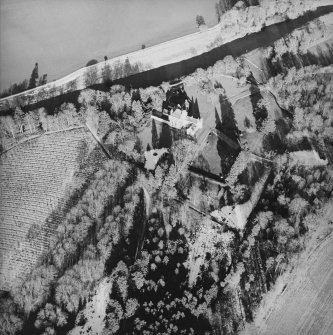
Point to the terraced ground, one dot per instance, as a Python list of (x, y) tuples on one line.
[(34, 177)]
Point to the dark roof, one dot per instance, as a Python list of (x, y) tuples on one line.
[(176, 96), (160, 115)]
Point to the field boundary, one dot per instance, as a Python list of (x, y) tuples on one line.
[(33, 137)]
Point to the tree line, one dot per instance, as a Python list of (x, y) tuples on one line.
[(33, 82), (222, 6)]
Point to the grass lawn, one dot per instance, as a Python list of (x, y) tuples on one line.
[(208, 158)]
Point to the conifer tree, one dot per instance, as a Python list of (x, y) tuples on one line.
[(154, 135), (34, 77), (127, 67), (200, 20)]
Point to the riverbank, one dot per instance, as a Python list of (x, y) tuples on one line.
[(171, 52)]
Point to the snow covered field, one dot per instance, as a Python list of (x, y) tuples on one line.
[(301, 301)]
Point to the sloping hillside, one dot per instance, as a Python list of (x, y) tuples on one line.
[(34, 179), (301, 301)]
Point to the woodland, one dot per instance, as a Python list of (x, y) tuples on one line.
[(172, 269)]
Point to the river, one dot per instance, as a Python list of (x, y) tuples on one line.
[(267, 36)]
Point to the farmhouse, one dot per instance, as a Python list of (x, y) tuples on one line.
[(176, 110)]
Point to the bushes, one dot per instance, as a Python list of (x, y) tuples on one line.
[(74, 287), (10, 320), (91, 76), (114, 314), (77, 282), (15, 88), (49, 316), (290, 51), (121, 70), (153, 96), (254, 15), (92, 62), (22, 125), (200, 21), (273, 235), (304, 93), (107, 74), (75, 230), (25, 85), (32, 292)]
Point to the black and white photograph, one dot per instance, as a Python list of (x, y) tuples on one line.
[(166, 167)]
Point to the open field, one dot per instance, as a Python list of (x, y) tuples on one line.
[(34, 180), (208, 157), (301, 302), (306, 307)]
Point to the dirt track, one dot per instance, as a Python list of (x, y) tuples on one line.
[(306, 307)]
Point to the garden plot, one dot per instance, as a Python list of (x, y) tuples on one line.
[(34, 180)]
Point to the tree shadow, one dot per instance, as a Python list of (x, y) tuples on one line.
[(202, 163), (227, 133), (154, 135), (259, 112), (227, 123), (194, 109), (322, 56), (165, 140)]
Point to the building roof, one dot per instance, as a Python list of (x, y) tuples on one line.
[(177, 113)]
